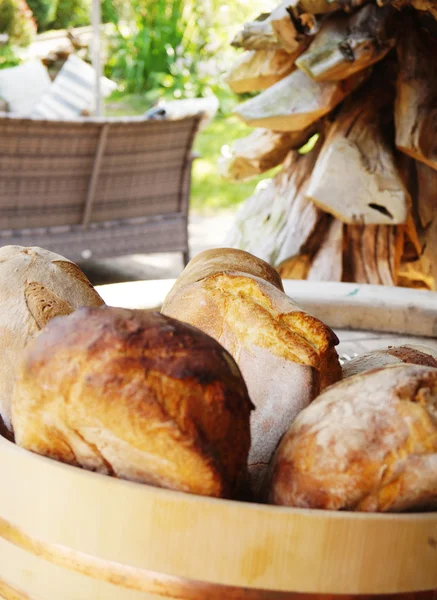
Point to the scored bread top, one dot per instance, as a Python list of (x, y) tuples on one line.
[(222, 260), (37, 285), (237, 298)]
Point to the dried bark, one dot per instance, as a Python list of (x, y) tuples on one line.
[(277, 222), (257, 70), (260, 151), (315, 7), (348, 44), (418, 275), (296, 102), (412, 246), (373, 254), (426, 195), (327, 264), (416, 99), (356, 177), (427, 6)]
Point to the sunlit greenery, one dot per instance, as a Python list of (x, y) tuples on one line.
[(16, 20), (177, 47), (44, 12)]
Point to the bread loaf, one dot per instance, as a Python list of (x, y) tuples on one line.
[(137, 395), (416, 355), (368, 443), (36, 286), (285, 355)]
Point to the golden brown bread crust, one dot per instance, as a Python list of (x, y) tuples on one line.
[(415, 355), (368, 443), (223, 260), (37, 285), (286, 355), (138, 395)]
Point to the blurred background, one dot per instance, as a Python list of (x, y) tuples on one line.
[(152, 49)]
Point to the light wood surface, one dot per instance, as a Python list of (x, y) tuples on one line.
[(71, 534)]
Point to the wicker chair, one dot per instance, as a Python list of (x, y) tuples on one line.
[(96, 187)]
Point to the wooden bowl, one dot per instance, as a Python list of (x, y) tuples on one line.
[(68, 534)]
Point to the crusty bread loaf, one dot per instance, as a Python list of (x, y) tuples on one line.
[(368, 443), (36, 286), (286, 355), (394, 355), (137, 395)]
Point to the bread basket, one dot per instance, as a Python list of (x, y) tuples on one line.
[(68, 534)]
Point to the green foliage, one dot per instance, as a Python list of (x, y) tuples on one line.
[(148, 54), (210, 191), (16, 20), (174, 47), (71, 13), (8, 57), (44, 12)]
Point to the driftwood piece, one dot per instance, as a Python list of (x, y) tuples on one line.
[(304, 218), (348, 5), (277, 222), (347, 44), (273, 31), (426, 195), (258, 152), (418, 275), (257, 70), (373, 254), (426, 6), (429, 256), (386, 270), (315, 7), (412, 245), (295, 102), (327, 264), (416, 106), (356, 177)]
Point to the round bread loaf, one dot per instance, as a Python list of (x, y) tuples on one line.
[(286, 356), (368, 443), (137, 395), (37, 285), (394, 355)]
